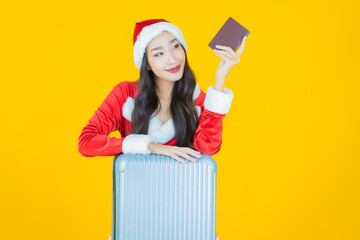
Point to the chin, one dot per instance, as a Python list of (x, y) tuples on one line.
[(178, 77), (175, 77)]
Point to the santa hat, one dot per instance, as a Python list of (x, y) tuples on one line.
[(146, 30)]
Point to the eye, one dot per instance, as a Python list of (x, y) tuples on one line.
[(176, 46)]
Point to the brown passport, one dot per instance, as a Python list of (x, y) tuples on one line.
[(230, 34)]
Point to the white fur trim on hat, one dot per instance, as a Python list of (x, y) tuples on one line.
[(137, 143), (150, 32), (217, 101)]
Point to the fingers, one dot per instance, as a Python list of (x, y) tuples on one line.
[(241, 47), (192, 152), (227, 59), (184, 152), (228, 51), (240, 51), (173, 155), (186, 156), (243, 40), (227, 54), (224, 55)]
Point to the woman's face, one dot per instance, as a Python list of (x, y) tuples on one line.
[(163, 53)]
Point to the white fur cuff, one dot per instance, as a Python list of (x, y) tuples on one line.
[(137, 143), (217, 101)]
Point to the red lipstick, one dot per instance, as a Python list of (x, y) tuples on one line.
[(174, 69)]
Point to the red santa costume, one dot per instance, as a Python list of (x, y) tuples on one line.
[(114, 114)]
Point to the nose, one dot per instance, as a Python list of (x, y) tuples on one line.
[(172, 57)]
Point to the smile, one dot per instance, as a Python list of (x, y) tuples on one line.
[(175, 69)]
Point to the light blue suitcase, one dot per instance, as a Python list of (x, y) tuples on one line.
[(156, 197)]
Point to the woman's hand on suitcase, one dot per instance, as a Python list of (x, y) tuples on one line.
[(174, 151)]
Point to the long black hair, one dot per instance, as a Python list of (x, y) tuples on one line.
[(183, 111)]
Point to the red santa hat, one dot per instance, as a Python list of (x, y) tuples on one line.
[(146, 30)]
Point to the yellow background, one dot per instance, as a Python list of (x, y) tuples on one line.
[(289, 163)]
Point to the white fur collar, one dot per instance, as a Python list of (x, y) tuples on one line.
[(161, 132), (196, 92)]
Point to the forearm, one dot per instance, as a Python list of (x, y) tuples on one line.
[(91, 145), (208, 136), (219, 83)]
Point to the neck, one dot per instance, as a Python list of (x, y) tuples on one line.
[(164, 90)]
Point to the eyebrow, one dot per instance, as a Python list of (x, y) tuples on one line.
[(161, 47)]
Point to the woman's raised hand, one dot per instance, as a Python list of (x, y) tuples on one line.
[(174, 151), (229, 58)]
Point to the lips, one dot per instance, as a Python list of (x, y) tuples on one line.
[(175, 69)]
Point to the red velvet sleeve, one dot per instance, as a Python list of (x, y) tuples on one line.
[(208, 135), (94, 139), (214, 105)]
